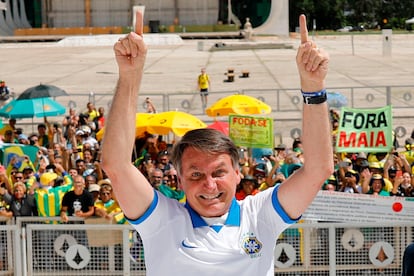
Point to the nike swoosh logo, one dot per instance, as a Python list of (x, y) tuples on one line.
[(186, 245)]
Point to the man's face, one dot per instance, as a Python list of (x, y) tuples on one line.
[(8, 136), (90, 180), (78, 186), (164, 159), (209, 182), (156, 178), (73, 172), (27, 174), (41, 130), (19, 177), (81, 166)]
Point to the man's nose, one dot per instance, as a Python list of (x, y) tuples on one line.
[(210, 183)]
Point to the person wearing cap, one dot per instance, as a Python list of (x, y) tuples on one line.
[(375, 186), (331, 184), (351, 183), (281, 152), (49, 196), (360, 162), (23, 139), (378, 168), (94, 190), (89, 141), (409, 149), (104, 181)]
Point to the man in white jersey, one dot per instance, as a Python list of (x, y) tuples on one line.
[(213, 234)]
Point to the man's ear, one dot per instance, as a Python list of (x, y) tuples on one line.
[(238, 172)]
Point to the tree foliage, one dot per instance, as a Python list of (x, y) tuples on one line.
[(333, 14)]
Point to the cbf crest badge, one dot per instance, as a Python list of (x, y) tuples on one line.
[(251, 245)]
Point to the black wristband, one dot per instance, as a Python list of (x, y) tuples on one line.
[(314, 97)]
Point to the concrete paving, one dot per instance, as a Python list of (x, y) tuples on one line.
[(172, 65)]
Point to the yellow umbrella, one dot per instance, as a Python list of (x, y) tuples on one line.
[(141, 122), (238, 104), (175, 121)]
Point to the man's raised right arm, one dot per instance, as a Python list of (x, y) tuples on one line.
[(131, 188)]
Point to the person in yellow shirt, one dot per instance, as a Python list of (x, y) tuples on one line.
[(91, 112), (107, 207), (203, 85), (10, 126)]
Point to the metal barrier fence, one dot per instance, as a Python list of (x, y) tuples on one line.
[(42, 246), (286, 105)]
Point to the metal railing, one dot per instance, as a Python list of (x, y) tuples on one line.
[(42, 246)]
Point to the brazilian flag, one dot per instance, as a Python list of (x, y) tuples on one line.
[(19, 152)]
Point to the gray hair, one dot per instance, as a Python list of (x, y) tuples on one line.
[(206, 140)]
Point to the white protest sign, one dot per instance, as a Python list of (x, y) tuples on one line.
[(342, 207)]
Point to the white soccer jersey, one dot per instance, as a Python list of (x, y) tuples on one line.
[(177, 241)]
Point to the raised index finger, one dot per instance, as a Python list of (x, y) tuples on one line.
[(139, 23), (303, 29)]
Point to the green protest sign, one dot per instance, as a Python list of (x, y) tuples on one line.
[(367, 130), (251, 131)]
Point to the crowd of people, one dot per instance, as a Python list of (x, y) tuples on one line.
[(66, 178), (69, 151), (382, 173)]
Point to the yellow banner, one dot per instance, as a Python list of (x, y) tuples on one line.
[(251, 131)]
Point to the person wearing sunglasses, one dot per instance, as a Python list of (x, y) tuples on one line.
[(107, 207)]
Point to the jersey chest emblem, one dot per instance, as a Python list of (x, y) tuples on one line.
[(251, 245)]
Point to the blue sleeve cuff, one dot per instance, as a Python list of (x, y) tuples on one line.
[(147, 213), (279, 209)]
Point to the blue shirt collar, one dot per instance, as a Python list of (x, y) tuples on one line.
[(233, 218)]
